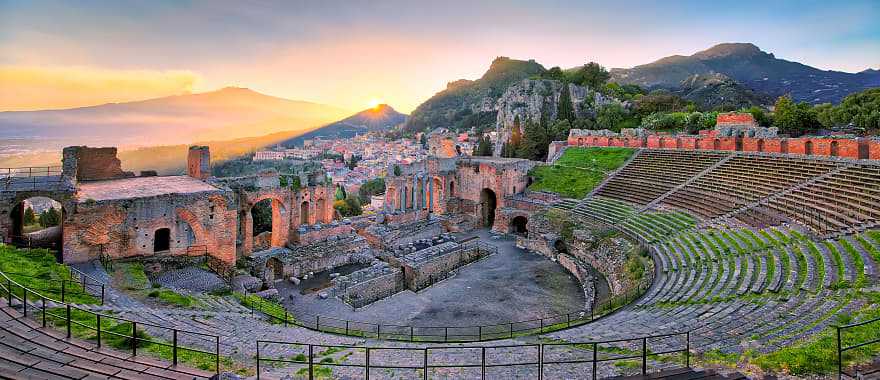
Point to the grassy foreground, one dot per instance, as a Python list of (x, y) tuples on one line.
[(578, 171)]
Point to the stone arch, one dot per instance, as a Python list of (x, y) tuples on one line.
[(451, 188), (560, 246), (279, 226), (835, 148), (50, 237), (162, 240), (716, 144), (488, 204), (518, 225), (198, 230), (808, 148), (580, 141)]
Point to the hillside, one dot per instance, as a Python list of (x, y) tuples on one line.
[(467, 102), (229, 113), (380, 118), (755, 69), (712, 91)]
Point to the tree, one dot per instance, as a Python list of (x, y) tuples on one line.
[(350, 206), (564, 109), (591, 75), (794, 118), (611, 116), (760, 117), (352, 162), (370, 188), (397, 171), (50, 217), (559, 130), (29, 216), (555, 73), (483, 147), (535, 142), (340, 192)]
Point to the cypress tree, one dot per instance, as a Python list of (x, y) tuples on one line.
[(564, 109)]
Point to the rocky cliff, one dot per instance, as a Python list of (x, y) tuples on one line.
[(534, 99)]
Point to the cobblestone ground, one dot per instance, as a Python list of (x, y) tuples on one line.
[(512, 285), (192, 279)]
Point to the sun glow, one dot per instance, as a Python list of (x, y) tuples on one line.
[(374, 103)]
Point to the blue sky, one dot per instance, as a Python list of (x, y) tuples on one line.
[(348, 53)]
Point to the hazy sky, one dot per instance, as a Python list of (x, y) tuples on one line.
[(62, 54)]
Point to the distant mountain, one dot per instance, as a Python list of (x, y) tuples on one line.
[(224, 114), (380, 118), (754, 69), (712, 91), (467, 100)]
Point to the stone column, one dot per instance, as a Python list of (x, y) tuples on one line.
[(430, 195), (402, 198)]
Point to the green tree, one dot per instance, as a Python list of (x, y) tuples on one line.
[(611, 116), (760, 117), (50, 217), (29, 216), (559, 130), (350, 206), (340, 192), (591, 75), (535, 142), (370, 188), (352, 162), (484, 147), (555, 73), (794, 118), (564, 109), (397, 171)]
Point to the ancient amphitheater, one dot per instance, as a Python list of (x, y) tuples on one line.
[(755, 264)]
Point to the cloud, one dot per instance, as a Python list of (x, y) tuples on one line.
[(24, 88)]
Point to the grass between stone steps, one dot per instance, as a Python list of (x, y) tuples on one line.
[(38, 270), (875, 254), (277, 313), (842, 283), (859, 265), (118, 335), (578, 171)]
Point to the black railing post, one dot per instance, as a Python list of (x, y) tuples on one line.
[(839, 355), (687, 353), (483, 364), (410, 333), (98, 327), (102, 294), (480, 333), (134, 342), (644, 356), (217, 347), (510, 329), (24, 293), (44, 311), (68, 321), (258, 360), (426, 364), (367, 364), (595, 361), (346, 327), (311, 369), (63, 290), (174, 347)]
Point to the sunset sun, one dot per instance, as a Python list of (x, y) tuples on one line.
[(374, 103)]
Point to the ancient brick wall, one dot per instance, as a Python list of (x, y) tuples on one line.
[(198, 162), (91, 164), (198, 223)]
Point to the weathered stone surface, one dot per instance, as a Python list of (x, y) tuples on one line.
[(245, 283)]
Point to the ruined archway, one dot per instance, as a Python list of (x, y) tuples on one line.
[(716, 144), (320, 210), (560, 246), (37, 222), (488, 203), (760, 145), (265, 225), (162, 240), (835, 149), (518, 225), (304, 213), (808, 148)]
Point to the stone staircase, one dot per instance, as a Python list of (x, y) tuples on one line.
[(691, 180)]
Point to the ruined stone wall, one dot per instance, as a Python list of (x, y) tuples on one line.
[(198, 162), (421, 274), (305, 235), (373, 289), (199, 223), (90, 164)]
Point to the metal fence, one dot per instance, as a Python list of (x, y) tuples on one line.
[(855, 342), (445, 334), (306, 359), (49, 311), (30, 178)]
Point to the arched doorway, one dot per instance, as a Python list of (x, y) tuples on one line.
[(451, 188), (560, 246), (518, 225), (262, 214), (760, 145), (304, 213), (488, 202), (835, 149), (162, 240), (716, 144), (275, 268), (37, 222), (808, 148)]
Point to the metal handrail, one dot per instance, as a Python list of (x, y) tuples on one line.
[(450, 334), (8, 289), (540, 349), (841, 349)]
